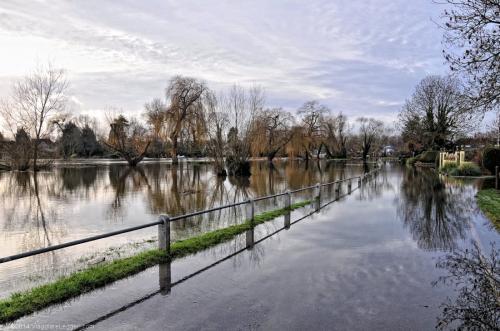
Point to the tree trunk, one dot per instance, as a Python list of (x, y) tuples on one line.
[(175, 159), (35, 156)]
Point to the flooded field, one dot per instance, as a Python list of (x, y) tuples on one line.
[(372, 259), (76, 201)]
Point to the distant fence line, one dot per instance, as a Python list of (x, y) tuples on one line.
[(164, 220)]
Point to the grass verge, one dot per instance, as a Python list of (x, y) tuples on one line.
[(489, 203), (75, 284)]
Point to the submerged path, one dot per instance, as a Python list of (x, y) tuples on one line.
[(362, 263)]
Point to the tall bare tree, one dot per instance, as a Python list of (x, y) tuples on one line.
[(35, 101), (185, 95), (370, 130), (472, 32), (217, 124), (312, 114), (241, 108)]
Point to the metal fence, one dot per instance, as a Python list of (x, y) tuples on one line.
[(164, 221)]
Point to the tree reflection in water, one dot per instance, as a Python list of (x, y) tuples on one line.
[(476, 278), (437, 214)]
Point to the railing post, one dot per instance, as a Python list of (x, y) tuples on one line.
[(359, 181), (337, 189), (349, 186), (496, 177), (165, 277), (250, 232), (318, 197), (288, 207), (164, 234)]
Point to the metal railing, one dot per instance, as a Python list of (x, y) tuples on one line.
[(164, 221)]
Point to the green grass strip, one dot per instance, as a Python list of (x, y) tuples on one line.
[(80, 282), (489, 203)]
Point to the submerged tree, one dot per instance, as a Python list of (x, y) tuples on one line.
[(216, 127), (185, 95), (241, 108), (472, 32), (271, 132), (312, 114), (336, 131), (129, 139), (370, 130)]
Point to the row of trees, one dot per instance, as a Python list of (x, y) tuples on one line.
[(229, 126)]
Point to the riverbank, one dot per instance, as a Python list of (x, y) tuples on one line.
[(489, 203), (25, 303)]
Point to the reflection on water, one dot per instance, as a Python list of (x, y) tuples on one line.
[(69, 203), (435, 211), (476, 278)]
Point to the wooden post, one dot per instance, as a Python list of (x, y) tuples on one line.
[(250, 232), (164, 234), (288, 207), (349, 186)]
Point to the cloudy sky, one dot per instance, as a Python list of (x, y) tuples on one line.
[(360, 57)]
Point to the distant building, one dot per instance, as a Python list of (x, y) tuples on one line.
[(388, 150)]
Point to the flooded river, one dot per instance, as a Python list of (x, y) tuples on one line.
[(370, 260)]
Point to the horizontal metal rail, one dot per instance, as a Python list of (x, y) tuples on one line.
[(170, 219)]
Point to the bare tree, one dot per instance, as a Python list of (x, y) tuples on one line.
[(155, 113), (472, 31), (128, 138), (35, 100), (370, 130), (217, 126), (270, 132), (241, 108), (437, 112), (312, 115), (185, 95), (336, 131)]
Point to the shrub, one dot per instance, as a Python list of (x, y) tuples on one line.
[(466, 169), (491, 158), (428, 156), (411, 161), (448, 168)]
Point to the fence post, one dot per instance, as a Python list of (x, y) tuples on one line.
[(250, 232), (359, 181), (288, 207), (164, 234), (318, 196), (337, 190), (349, 186), (496, 177)]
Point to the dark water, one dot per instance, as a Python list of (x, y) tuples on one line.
[(73, 202), (367, 261)]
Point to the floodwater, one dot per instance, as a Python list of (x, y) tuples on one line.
[(366, 261), (76, 201)]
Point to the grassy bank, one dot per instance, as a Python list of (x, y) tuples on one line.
[(24, 303), (489, 203)]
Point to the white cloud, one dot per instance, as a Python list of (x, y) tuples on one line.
[(358, 57)]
